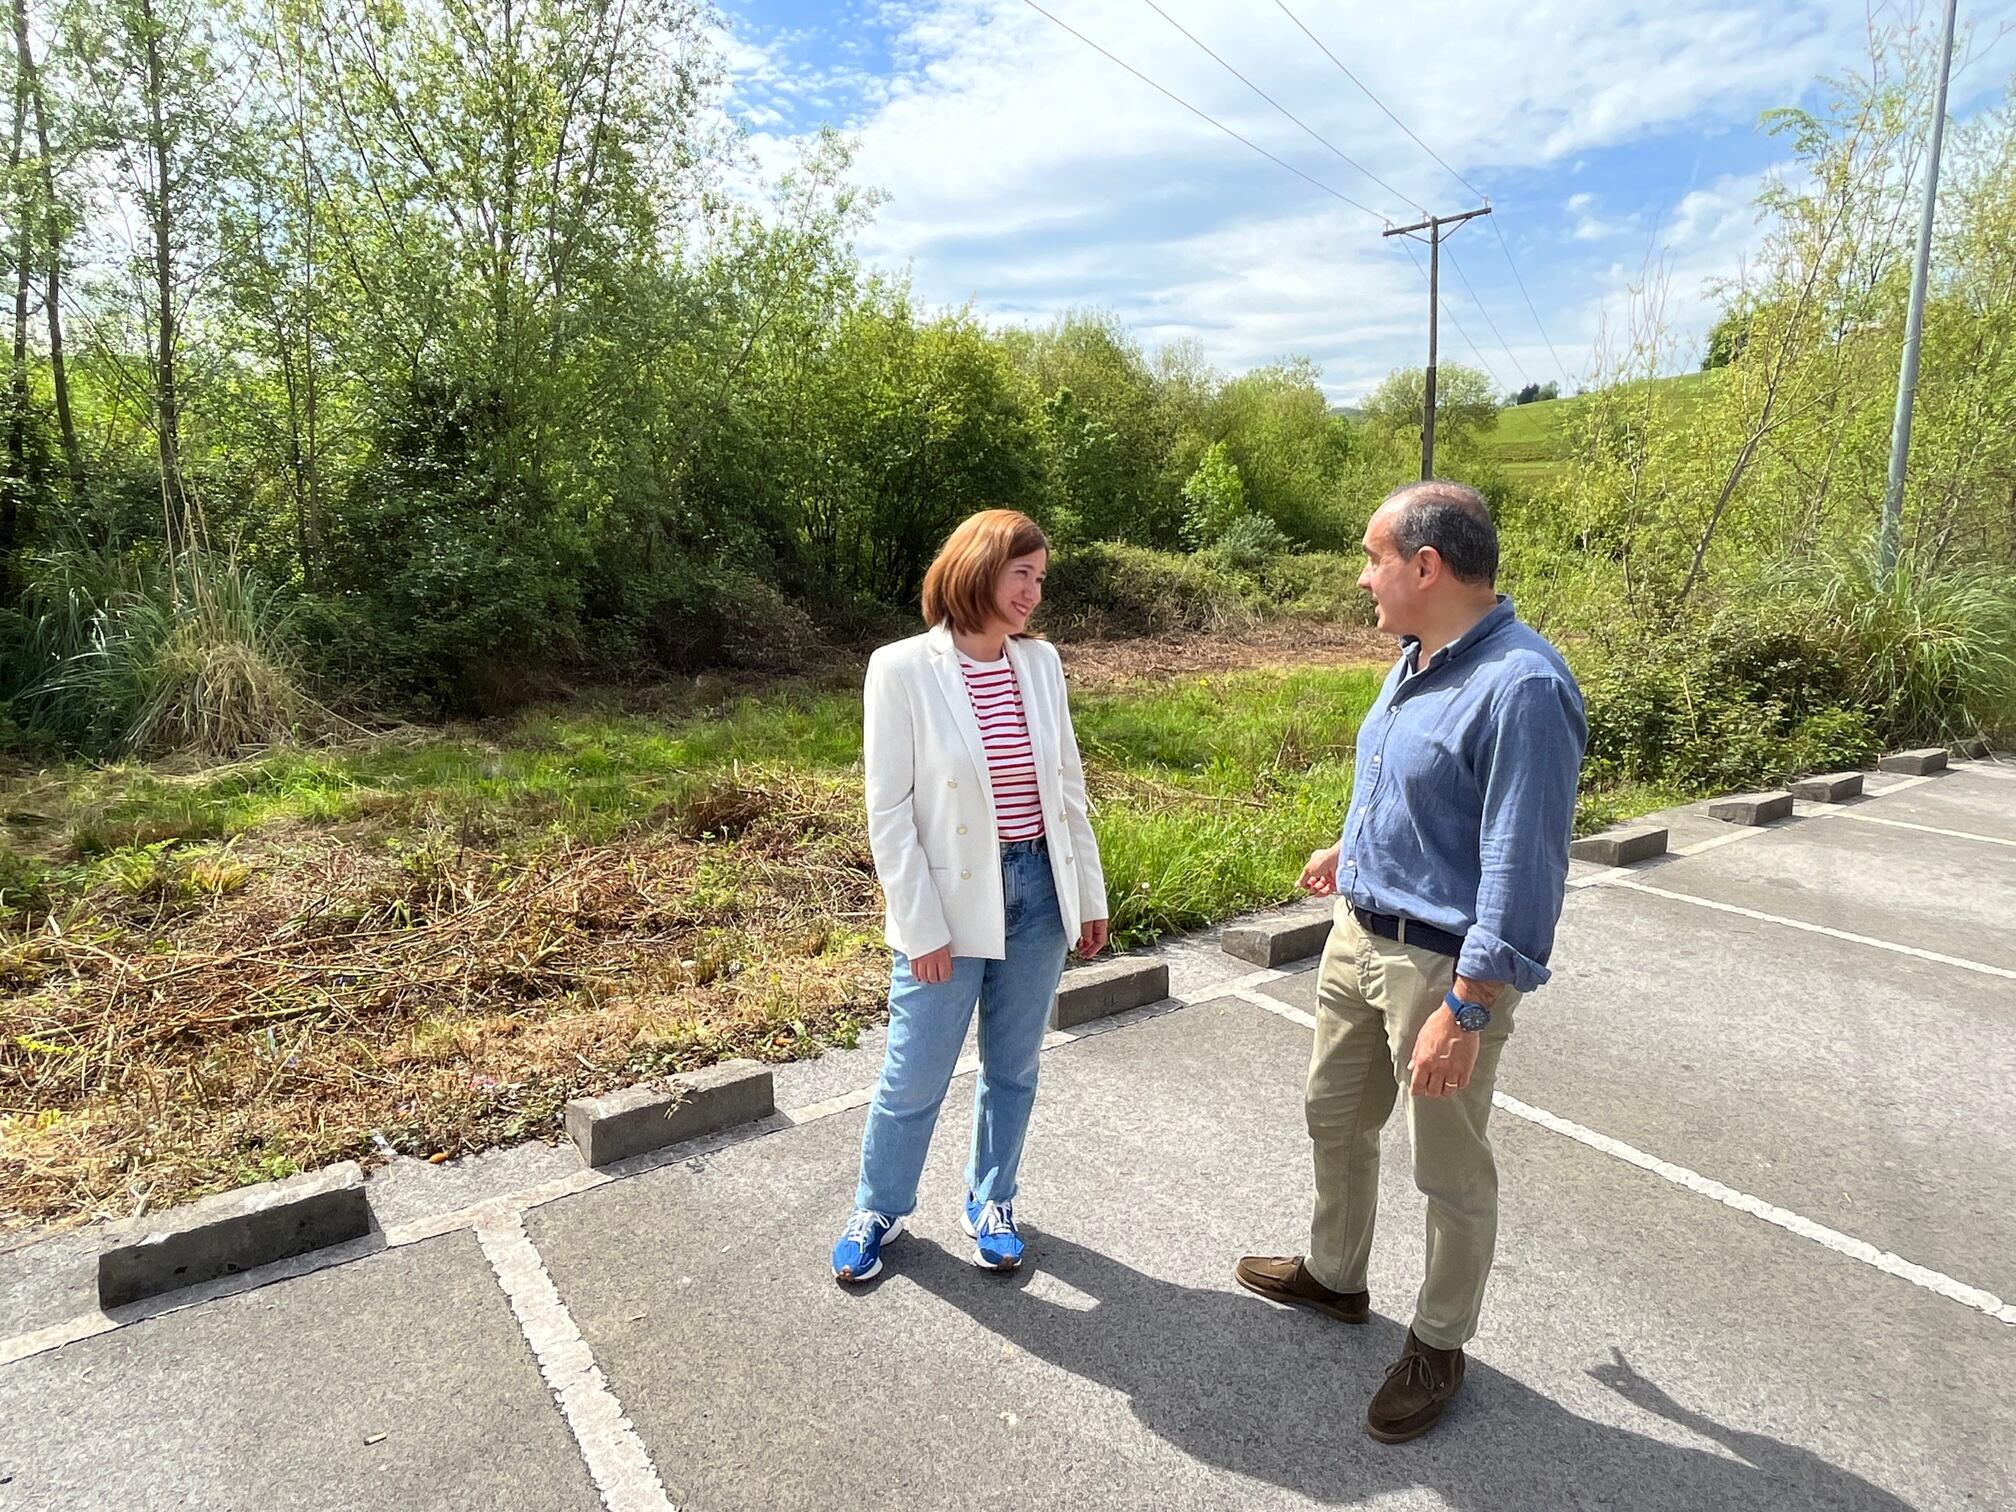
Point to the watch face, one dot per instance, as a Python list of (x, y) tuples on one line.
[(1473, 1017)]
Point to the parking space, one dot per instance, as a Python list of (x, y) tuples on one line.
[(401, 1380), (1757, 1231)]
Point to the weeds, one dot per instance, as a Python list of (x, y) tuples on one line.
[(190, 655), (225, 982), (1932, 652)]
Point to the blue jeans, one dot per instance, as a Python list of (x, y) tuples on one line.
[(927, 1027)]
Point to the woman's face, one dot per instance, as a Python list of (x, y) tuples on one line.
[(1019, 590)]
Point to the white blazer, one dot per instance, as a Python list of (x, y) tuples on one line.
[(931, 822)]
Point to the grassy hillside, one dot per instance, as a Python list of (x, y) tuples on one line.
[(1532, 441)]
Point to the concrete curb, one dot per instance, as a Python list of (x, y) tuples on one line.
[(1293, 935), (641, 1119), (1914, 763), (1108, 987), (1620, 847), (1752, 808), (233, 1232), (1835, 788), (1972, 749)]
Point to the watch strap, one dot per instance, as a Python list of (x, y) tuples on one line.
[(1470, 1016)]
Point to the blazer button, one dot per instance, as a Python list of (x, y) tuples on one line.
[(965, 875), (1069, 859), (951, 784), (962, 829)]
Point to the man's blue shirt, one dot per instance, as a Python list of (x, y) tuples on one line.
[(1465, 797)]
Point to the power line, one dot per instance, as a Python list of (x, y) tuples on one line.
[(1510, 261), (1326, 142), (1487, 318), (1322, 140), (1380, 103), (1513, 264), (1318, 183), (1247, 142), (1474, 351)]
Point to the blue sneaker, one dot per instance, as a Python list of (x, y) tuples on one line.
[(858, 1255), (996, 1245)]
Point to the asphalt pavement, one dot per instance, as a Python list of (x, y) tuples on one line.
[(1757, 1250)]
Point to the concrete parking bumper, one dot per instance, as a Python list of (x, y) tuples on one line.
[(233, 1232), (638, 1120), (1107, 987), (1914, 763), (1292, 935), (1835, 788), (1752, 808), (1620, 847)]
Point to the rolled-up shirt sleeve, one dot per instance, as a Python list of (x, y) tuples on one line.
[(1529, 768)]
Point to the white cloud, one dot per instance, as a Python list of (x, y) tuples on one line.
[(1698, 245), (1584, 210), (1028, 174)]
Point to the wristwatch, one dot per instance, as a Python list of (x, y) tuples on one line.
[(1470, 1016)]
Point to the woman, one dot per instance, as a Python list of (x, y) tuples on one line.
[(977, 818)]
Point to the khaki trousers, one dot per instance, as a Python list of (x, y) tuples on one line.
[(1373, 995)]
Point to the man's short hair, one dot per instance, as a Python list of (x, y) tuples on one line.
[(1455, 519)]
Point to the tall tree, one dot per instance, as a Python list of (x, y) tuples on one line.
[(165, 103), (16, 481), (52, 250)]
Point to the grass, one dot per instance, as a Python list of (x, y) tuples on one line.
[(431, 942), (1533, 442)]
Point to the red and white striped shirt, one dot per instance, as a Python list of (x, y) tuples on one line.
[(1011, 759)]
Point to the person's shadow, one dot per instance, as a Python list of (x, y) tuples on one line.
[(1280, 1395)]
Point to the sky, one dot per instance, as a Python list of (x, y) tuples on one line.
[(1028, 175)]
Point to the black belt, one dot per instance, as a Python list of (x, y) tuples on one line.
[(1407, 932)]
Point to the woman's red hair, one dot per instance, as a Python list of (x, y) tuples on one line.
[(959, 586)]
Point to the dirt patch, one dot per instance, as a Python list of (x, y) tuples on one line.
[(1157, 658), (327, 1001)]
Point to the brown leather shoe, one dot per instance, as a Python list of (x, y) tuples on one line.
[(1284, 1278), (1418, 1386)]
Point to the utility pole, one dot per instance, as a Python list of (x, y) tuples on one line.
[(1433, 226), (1914, 325)]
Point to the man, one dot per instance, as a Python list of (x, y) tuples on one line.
[(1448, 879)]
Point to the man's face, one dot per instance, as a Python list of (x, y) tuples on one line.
[(1395, 584)]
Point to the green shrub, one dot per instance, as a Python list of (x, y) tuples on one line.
[(24, 884), (1250, 544), (1113, 589), (194, 655), (1214, 497), (1727, 704), (1320, 585), (1930, 653)]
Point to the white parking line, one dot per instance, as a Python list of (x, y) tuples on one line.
[(1756, 1207), (1924, 829), (1821, 929), (2002, 772), (1736, 835), (1598, 879), (1694, 1181), (617, 1460), (1276, 1007)]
